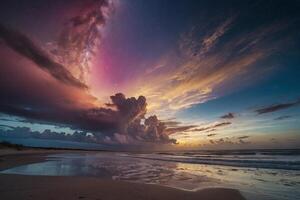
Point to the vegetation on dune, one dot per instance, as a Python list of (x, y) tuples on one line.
[(5, 144)]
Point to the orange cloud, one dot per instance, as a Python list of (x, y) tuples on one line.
[(199, 68)]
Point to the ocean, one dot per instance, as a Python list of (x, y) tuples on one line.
[(258, 174)]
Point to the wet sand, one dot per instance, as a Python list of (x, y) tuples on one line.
[(15, 187)]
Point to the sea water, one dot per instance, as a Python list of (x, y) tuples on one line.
[(258, 174)]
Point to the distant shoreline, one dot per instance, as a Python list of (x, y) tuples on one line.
[(24, 147)]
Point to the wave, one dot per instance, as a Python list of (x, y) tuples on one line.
[(279, 159)]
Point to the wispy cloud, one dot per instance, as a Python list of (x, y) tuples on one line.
[(196, 71), (209, 41), (277, 107), (180, 129), (206, 129), (211, 127), (283, 117)]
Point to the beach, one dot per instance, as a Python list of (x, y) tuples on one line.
[(15, 187)]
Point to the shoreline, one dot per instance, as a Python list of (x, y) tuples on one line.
[(76, 187)]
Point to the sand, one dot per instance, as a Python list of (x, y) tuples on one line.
[(21, 187)]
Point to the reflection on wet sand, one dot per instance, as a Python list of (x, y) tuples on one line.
[(252, 182)]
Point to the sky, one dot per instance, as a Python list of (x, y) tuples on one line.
[(160, 74)]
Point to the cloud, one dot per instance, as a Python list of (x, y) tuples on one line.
[(179, 129), (228, 116), (211, 134), (131, 108), (130, 113), (25, 132), (77, 43), (190, 130), (120, 125), (222, 124), (230, 141), (244, 142), (25, 47), (222, 141), (210, 128), (209, 41), (207, 63), (243, 137), (6, 126), (58, 97), (273, 140), (277, 107), (68, 59), (43, 82), (170, 123), (283, 117), (211, 141)]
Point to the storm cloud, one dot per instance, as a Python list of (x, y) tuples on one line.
[(59, 96), (130, 113), (22, 44), (68, 58), (123, 124)]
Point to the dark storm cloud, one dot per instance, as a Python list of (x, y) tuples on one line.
[(277, 107), (39, 100), (28, 94), (90, 119), (120, 125), (130, 113), (129, 108), (25, 47), (228, 116)]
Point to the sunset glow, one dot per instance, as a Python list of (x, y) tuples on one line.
[(208, 77)]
